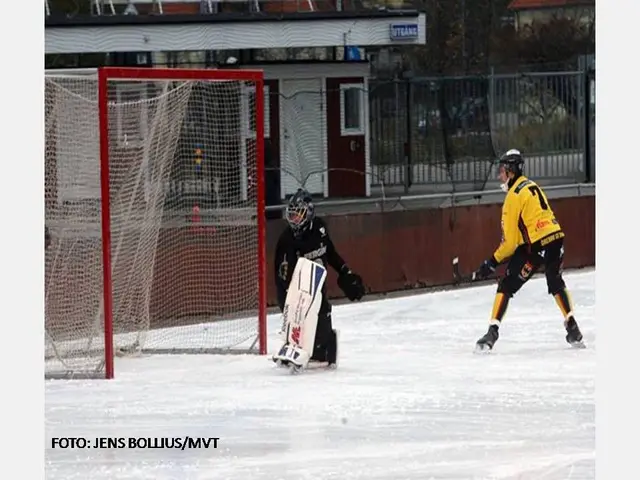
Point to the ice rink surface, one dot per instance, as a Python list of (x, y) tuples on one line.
[(409, 401)]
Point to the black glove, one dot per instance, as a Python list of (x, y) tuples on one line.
[(486, 269), (351, 284)]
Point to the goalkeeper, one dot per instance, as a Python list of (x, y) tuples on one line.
[(307, 236)]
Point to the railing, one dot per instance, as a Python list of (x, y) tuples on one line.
[(432, 200), (449, 130)]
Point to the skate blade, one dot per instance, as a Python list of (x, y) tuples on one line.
[(295, 369), (578, 345), (482, 349), (292, 368), (310, 367), (287, 364), (283, 363), (316, 365)]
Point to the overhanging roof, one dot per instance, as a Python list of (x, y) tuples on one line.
[(226, 32)]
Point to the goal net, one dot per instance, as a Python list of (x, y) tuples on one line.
[(155, 204)]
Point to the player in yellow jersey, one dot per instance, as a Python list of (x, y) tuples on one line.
[(531, 237)]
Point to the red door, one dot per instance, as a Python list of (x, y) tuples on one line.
[(346, 134)]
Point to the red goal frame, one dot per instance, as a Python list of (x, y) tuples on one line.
[(123, 73)]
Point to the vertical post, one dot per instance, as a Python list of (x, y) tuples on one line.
[(262, 223), (492, 105), (398, 145), (409, 123), (586, 118), (103, 119)]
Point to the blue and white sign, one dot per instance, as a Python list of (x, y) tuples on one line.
[(403, 31)]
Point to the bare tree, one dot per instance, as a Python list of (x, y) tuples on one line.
[(471, 36)]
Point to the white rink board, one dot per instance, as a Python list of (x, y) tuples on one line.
[(409, 401)]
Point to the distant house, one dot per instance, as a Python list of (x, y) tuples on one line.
[(541, 11)]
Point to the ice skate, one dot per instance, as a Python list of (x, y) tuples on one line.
[(574, 336), (485, 344)]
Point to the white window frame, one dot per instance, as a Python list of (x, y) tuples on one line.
[(251, 92), (344, 131)]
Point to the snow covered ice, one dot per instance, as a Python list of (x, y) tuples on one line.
[(409, 401)]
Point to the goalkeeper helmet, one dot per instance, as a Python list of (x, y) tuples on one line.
[(300, 212)]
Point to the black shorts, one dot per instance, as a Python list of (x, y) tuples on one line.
[(527, 260)]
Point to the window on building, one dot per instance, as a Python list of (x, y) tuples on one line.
[(352, 109)]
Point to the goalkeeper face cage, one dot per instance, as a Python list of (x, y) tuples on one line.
[(299, 214)]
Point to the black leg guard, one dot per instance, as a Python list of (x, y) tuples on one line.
[(319, 353), (327, 352), (325, 335), (332, 348)]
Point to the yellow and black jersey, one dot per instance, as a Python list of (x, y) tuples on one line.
[(527, 217)]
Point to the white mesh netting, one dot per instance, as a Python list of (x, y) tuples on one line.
[(183, 219), (304, 146)]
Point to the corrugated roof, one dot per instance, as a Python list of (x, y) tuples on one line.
[(540, 4)]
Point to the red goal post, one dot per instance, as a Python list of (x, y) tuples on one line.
[(154, 198)]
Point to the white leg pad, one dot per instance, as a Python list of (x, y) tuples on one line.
[(292, 354), (300, 314)]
